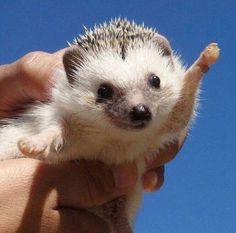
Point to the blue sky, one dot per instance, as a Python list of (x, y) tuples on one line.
[(199, 195)]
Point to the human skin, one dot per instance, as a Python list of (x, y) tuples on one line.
[(40, 197)]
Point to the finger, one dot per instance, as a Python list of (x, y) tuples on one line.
[(28, 78), (153, 179), (35, 73), (168, 153), (86, 184)]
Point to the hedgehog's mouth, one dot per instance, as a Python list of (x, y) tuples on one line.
[(130, 119), (127, 125)]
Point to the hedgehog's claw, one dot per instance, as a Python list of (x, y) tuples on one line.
[(57, 144), (30, 148), (208, 57), (211, 54)]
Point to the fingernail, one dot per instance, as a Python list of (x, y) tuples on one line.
[(150, 181), (125, 176)]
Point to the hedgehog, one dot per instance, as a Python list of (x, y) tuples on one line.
[(124, 96)]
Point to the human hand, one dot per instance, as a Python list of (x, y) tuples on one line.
[(39, 197)]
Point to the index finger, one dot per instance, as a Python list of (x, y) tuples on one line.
[(28, 78)]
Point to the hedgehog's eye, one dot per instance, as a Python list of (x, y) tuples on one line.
[(154, 81), (105, 92)]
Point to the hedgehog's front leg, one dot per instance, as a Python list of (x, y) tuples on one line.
[(41, 144), (195, 73), (184, 109), (208, 57)]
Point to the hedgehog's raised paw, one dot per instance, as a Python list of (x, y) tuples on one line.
[(207, 57), (30, 147), (211, 54)]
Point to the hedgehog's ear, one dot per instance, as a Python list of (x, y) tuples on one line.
[(163, 44), (72, 59)]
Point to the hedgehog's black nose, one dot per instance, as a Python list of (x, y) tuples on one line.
[(140, 113)]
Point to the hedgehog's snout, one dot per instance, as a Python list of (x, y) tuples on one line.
[(140, 114)]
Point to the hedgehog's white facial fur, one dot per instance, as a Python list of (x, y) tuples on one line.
[(129, 79)]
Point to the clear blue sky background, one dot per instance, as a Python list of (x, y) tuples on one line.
[(199, 195)]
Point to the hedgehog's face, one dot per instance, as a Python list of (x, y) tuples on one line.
[(137, 92), (126, 109)]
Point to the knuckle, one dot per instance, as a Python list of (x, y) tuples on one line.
[(28, 61)]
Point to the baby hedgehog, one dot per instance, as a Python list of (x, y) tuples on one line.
[(125, 95)]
